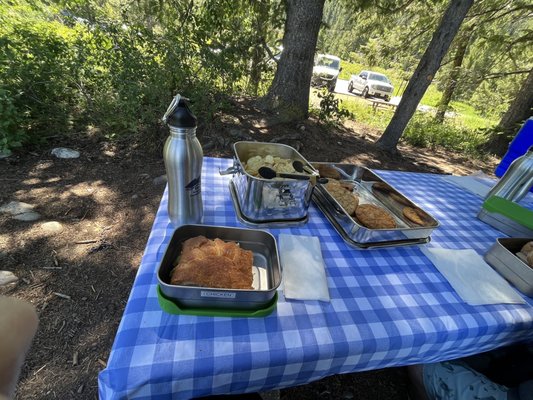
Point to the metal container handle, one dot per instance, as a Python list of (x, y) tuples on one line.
[(231, 170)]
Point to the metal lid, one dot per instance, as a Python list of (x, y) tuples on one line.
[(179, 115)]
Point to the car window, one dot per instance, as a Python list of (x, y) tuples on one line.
[(327, 62), (363, 75), (378, 77)]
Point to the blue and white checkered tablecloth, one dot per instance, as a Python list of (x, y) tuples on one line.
[(389, 307)]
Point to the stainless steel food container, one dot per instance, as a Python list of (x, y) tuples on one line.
[(269, 200), (266, 269), (502, 257), (371, 189)]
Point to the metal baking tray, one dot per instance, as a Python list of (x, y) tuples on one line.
[(266, 269), (266, 200), (502, 257), (371, 189), (323, 206)]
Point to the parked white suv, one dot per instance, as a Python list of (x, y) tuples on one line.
[(326, 71), (371, 83)]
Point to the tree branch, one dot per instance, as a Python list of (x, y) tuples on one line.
[(269, 52), (502, 74), (491, 11), (512, 10), (394, 10)]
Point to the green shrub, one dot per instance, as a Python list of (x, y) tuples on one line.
[(365, 114), (11, 135), (63, 70), (330, 107), (423, 131)]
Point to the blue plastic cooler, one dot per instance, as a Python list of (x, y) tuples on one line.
[(518, 147)]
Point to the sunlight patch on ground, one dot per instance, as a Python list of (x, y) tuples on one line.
[(31, 181)]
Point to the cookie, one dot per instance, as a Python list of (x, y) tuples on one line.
[(385, 190), (344, 197), (374, 217), (415, 215), (326, 171), (528, 248), (382, 186), (400, 199)]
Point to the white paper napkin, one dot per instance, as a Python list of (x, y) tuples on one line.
[(304, 276), (472, 278), (472, 183)]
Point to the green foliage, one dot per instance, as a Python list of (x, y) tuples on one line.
[(330, 107), (461, 134), (394, 35), (423, 131), (11, 135), (363, 110), (114, 66), (36, 62)]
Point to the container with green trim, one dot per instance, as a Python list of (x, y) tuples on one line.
[(507, 216), (266, 270)]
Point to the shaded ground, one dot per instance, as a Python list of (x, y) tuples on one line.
[(79, 279)]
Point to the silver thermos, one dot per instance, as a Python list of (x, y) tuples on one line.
[(517, 180), (183, 158)]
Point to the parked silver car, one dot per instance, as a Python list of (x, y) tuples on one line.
[(326, 71), (371, 83)]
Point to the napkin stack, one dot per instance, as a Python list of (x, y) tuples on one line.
[(478, 183), (472, 278), (304, 276)]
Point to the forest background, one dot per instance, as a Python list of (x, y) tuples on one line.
[(109, 67)]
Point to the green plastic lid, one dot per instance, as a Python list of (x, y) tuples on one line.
[(172, 307), (510, 209)]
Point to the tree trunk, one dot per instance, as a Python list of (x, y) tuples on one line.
[(424, 73), (519, 110), (453, 76), (289, 93), (261, 11)]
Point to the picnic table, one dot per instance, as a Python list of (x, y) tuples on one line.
[(377, 103), (389, 307)]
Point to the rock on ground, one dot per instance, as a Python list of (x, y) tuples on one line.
[(51, 227), (160, 180), (16, 207), (20, 211), (7, 277), (63, 152), (28, 216)]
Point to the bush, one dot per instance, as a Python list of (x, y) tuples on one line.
[(11, 135), (330, 110), (38, 62), (63, 70), (423, 131)]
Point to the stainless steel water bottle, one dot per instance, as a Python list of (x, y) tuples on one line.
[(183, 158)]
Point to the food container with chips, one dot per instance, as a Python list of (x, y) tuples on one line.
[(502, 256), (371, 189), (275, 202), (266, 271)]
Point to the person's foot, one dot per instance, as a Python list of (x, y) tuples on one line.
[(18, 324)]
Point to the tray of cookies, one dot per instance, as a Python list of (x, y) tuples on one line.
[(216, 267), (367, 211)]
